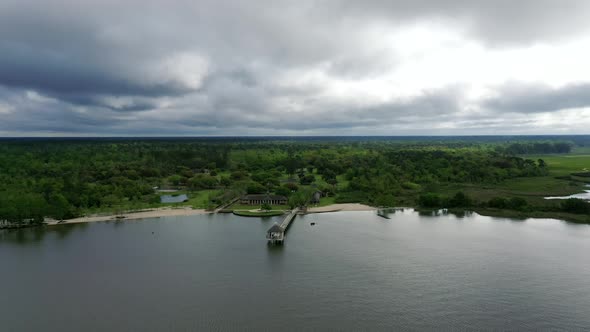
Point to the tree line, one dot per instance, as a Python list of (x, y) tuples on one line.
[(67, 178)]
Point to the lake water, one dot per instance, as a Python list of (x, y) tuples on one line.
[(173, 198), (351, 271)]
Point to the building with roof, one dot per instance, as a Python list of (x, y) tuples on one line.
[(275, 234), (259, 199), (315, 198)]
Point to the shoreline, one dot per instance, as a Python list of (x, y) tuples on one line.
[(346, 207), (171, 212), (341, 207), (152, 213)]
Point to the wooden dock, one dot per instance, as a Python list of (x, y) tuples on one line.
[(276, 234), (287, 221), (223, 206)]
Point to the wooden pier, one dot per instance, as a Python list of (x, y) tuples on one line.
[(224, 206), (276, 234)]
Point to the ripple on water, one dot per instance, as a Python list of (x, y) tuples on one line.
[(351, 271)]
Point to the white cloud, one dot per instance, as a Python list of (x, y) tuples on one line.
[(185, 68), (6, 109)]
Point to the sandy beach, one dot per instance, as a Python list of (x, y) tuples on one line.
[(169, 212), (153, 213), (341, 207)]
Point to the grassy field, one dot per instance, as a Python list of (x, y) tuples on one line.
[(324, 201), (558, 182), (532, 189), (581, 150), (565, 164), (200, 199), (559, 166)]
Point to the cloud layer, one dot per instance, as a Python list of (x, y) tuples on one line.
[(330, 67)]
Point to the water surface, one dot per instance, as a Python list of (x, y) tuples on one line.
[(173, 198), (351, 271), (585, 195)]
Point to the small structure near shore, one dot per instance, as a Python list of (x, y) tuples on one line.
[(315, 198), (260, 199), (276, 234)]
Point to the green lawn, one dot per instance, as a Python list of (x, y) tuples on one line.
[(324, 201), (581, 150), (200, 199), (564, 164)]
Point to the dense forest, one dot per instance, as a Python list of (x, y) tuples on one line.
[(67, 178)]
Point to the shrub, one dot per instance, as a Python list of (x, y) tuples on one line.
[(582, 174), (283, 191), (460, 200), (307, 179), (175, 179), (575, 205), (351, 197), (239, 175), (255, 188), (517, 203), (291, 186), (385, 200), (410, 186), (202, 181), (429, 200), (498, 203)]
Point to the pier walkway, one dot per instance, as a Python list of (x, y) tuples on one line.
[(224, 206), (276, 234)]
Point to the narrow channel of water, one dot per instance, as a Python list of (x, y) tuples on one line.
[(585, 195)]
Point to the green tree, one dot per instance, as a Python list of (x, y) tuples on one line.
[(575, 205), (283, 191), (60, 208), (429, 200), (175, 179), (517, 203), (299, 198), (460, 200), (498, 203), (255, 188)]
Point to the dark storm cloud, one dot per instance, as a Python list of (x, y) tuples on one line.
[(60, 49), (70, 75), (538, 98), (53, 118), (256, 113), (134, 67)]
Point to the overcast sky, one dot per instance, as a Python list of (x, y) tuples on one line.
[(215, 67)]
